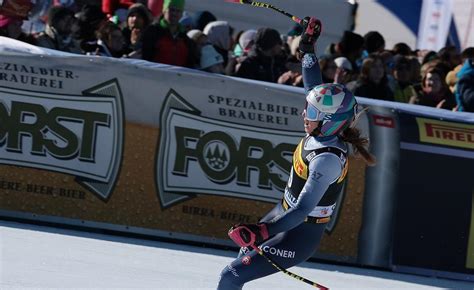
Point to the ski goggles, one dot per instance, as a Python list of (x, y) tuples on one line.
[(311, 113)]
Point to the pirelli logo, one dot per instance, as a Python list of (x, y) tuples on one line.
[(446, 133)]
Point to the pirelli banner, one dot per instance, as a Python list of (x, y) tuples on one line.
[(149, 149), (435, 196)]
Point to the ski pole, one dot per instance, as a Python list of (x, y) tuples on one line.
[(270, 6), (279, 268)]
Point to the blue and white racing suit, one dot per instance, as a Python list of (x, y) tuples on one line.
[(296, 225)]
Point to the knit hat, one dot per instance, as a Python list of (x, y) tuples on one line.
[(267, 38), (56, 13), (142, 10), (344, 63), (179, 4), (218, 33), (246, 38), (210, 57)]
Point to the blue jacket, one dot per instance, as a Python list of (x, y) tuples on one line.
[(465, 87)]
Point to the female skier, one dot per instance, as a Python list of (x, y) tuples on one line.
[(290, 233)]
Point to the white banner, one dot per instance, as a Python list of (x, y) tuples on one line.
[(436, 16)]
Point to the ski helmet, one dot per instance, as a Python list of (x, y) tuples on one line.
[(332, 104)]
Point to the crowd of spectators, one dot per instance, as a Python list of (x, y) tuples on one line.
[(162, 31)]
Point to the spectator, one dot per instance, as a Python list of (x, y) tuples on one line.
[(138, 19), (261, 62), (374, 42), (465, 87), (293, 76), (328, 68), (58, 31), (219, 34), (11, 27), (387, 59), (166, 42), (293, 33), (350, 47), (241, 50), (110, 41), (415, 70), (344, 70), (89, 19), (242, 43), (202, 18), (403, 90), (428, 56), (450, 56), (372, 82), (344, 63), (440, 65), (467, 53), (452, 79), (434, 90), (211, 60), (402, 48), (245, 42)]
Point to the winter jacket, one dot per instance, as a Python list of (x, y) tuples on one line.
[(159, 45), (465, 87), (403, 92), (431, 100), (256, 66), (367, 89), (51, 39)]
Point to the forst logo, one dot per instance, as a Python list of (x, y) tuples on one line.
[(34, 120), (198, 155), (216, 155), (80, 135), (223, 160)]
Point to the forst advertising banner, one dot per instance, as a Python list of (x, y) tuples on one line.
[(435, 213), (142, 148)]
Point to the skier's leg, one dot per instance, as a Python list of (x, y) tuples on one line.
[(287, 249)]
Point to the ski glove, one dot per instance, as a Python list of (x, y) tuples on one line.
[(245, 235), (311, 32)]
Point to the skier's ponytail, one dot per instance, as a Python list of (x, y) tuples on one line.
[(359, 144)]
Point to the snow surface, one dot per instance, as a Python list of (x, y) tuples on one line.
[(42, 257)]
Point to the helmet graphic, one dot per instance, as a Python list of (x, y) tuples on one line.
[(334, 105)]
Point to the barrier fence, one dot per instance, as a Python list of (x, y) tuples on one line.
[(171, 152)]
